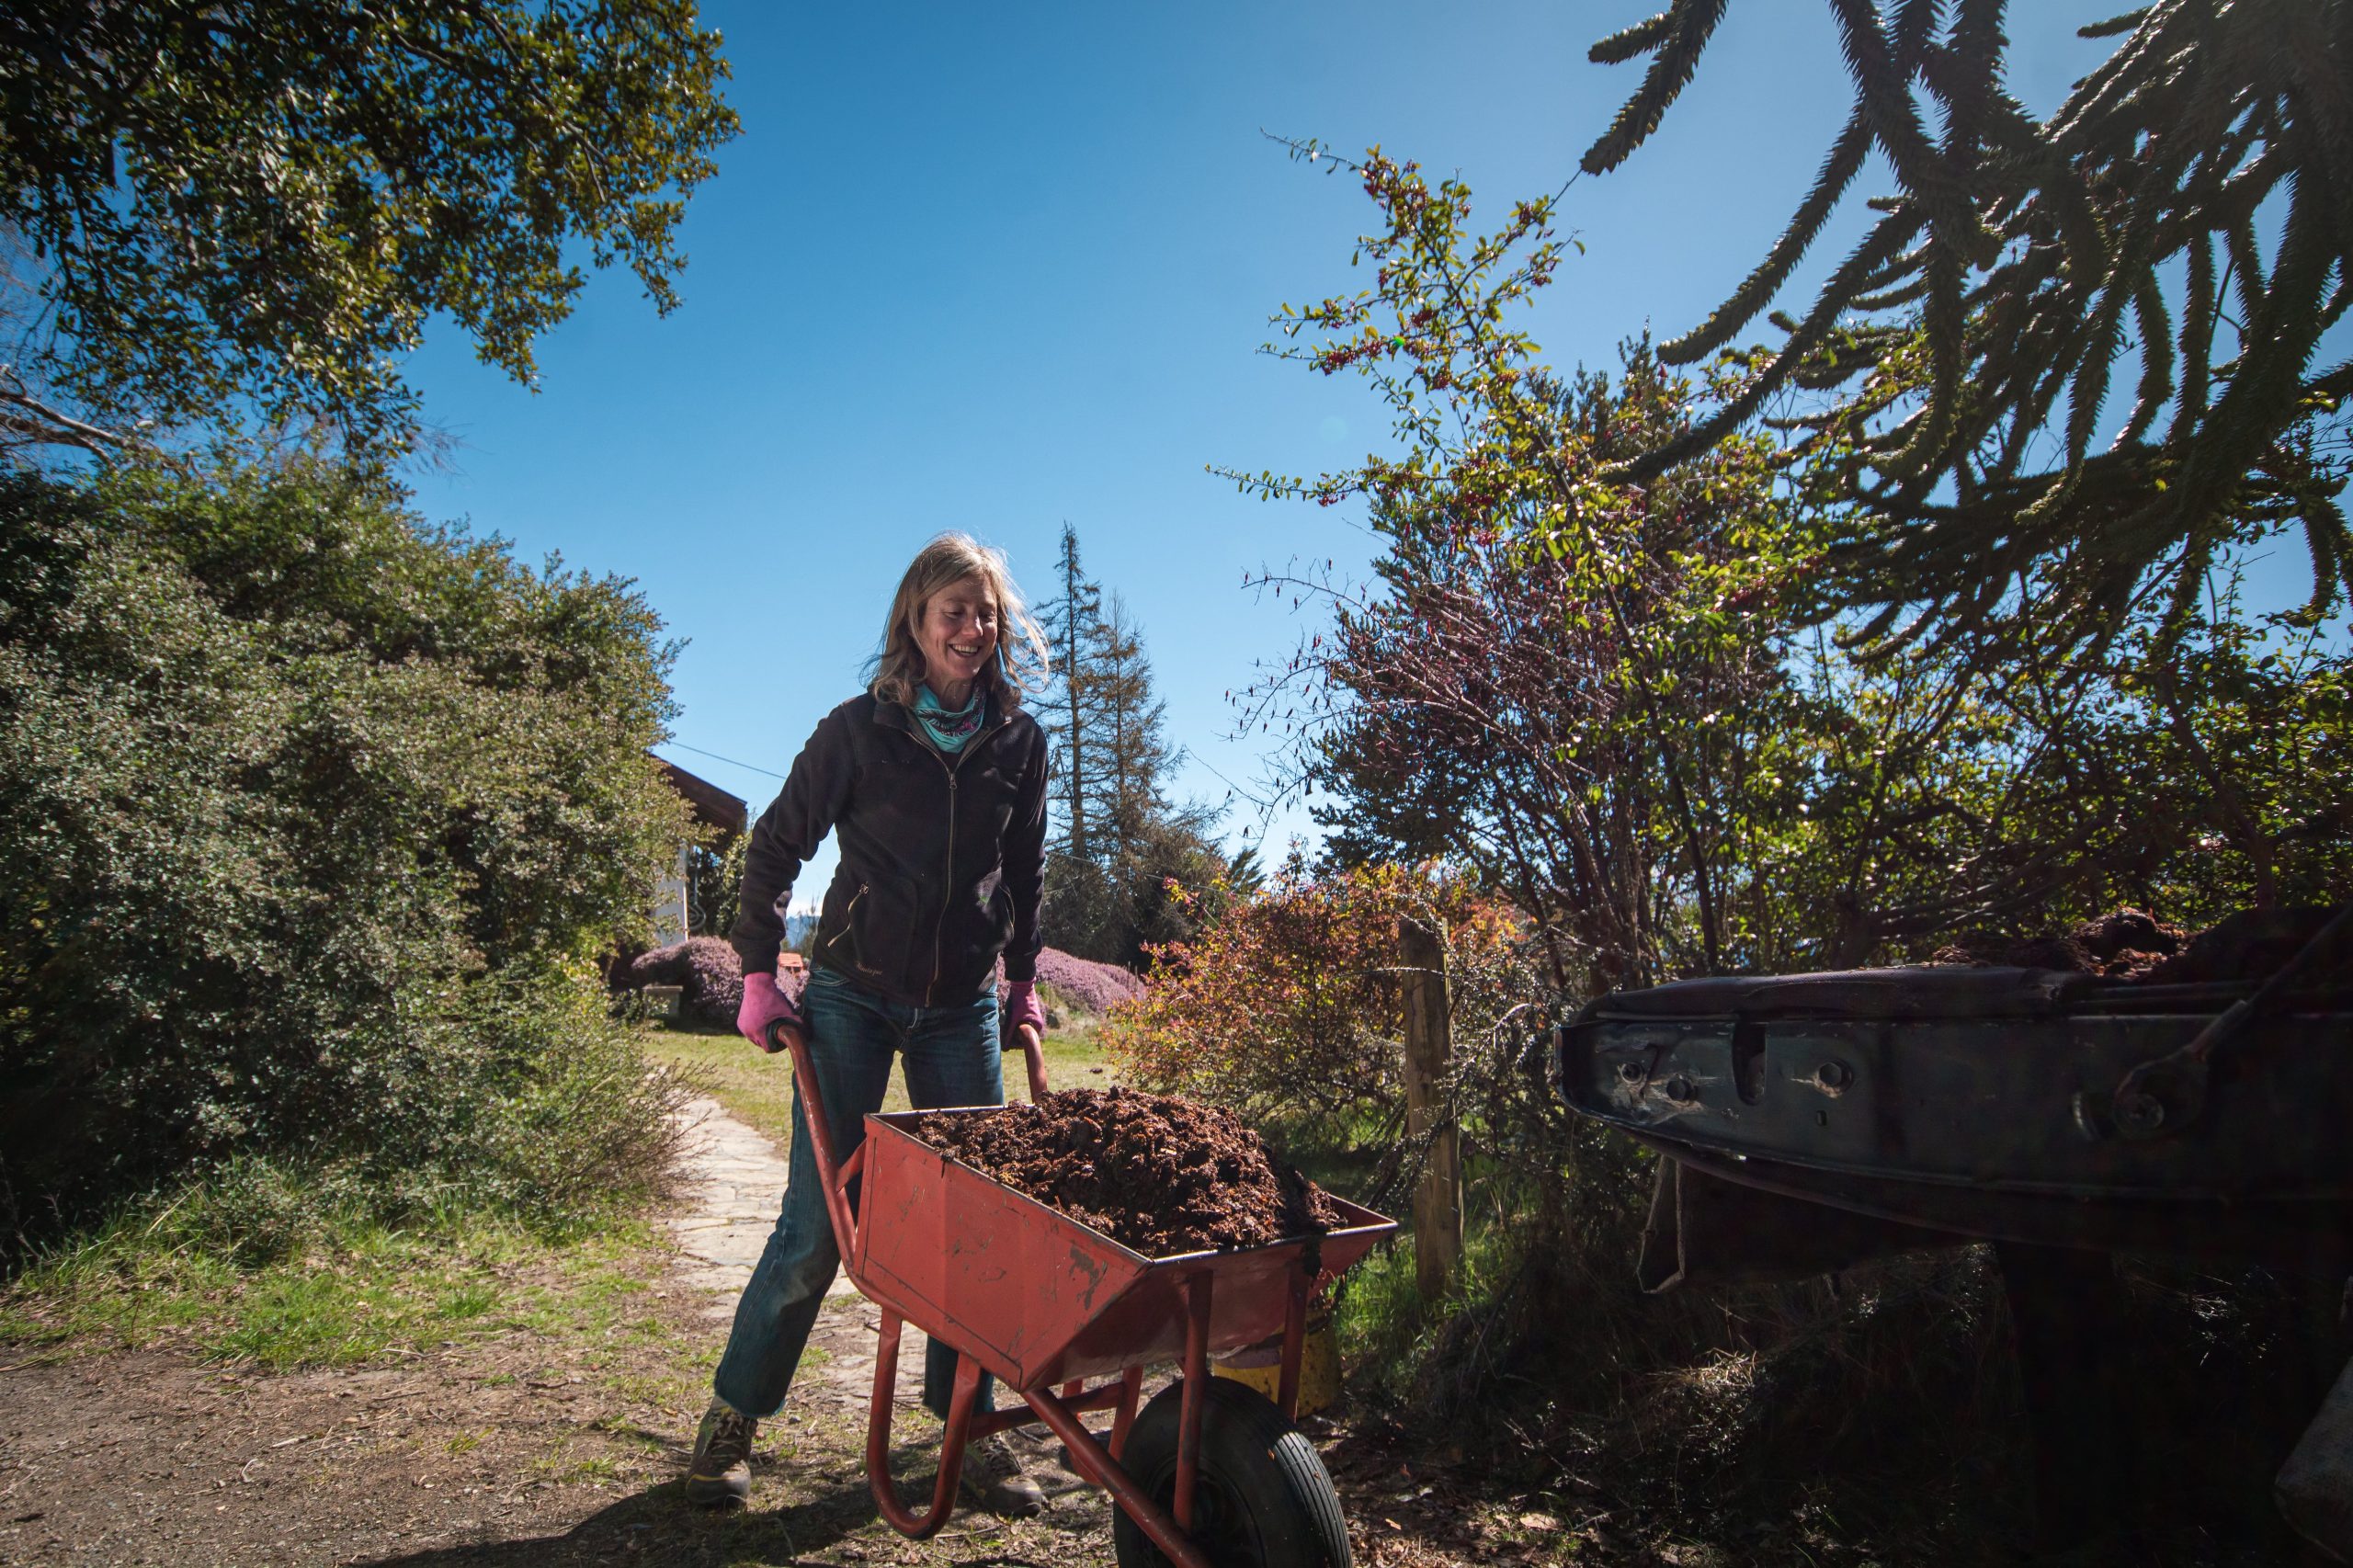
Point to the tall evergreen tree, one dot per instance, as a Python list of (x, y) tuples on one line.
[(1134, 756), (1073, 622), (1119, 841)]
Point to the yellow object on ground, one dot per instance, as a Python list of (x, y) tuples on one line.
[(1261, 1365)]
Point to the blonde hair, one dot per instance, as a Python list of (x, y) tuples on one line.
[(1021, 664)]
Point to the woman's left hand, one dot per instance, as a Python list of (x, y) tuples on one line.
[(1022, 1024)]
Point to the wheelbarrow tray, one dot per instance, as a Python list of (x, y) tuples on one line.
[(1956, 1098), (1040, 1298)]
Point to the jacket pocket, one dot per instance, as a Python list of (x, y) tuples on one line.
[(834, 944), (879, 933), (1000, 917)]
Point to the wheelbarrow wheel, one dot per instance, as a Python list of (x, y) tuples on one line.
[(1262, 1497)]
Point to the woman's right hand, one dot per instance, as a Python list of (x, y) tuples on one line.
[(764, 1004), (1033, 1056)]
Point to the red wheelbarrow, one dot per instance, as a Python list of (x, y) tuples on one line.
[(1212, 1474)]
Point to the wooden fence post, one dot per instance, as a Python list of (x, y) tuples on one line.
[(1437, 1201)]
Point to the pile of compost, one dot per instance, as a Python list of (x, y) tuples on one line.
[(2135, 946), (1157, 1174)]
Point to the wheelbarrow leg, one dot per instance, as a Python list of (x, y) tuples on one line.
[(1294, 1341), (951, 1441), (1124, 1415), (1088, 1458), (1196, 1370)]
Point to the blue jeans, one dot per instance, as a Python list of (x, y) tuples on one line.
[(952, 1060)]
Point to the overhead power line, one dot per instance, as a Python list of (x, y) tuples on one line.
[(731, 762)]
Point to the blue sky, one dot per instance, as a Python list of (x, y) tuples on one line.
[(997, 268)]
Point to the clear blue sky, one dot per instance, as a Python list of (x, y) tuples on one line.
[(995, 269)]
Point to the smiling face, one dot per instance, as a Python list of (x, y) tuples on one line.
[(955, 629)]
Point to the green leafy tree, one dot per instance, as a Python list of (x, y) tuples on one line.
[(258, 206), (1606, 698), (1489, 457), (312, 808), (1971, 341), (718, 886)]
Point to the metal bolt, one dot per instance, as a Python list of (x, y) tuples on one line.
[(1832, 1077), (1680, 1091), (1631, 1071), (2140, 1111)]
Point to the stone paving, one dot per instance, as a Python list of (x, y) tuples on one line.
[(735, 1183)]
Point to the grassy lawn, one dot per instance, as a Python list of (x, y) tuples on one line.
[(359, 1293), (758, 1087)]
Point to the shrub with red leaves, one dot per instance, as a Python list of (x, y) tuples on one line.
[(1289, 1009)]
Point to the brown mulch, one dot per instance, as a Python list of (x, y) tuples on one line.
[(2134, 945), (1157, 1174)]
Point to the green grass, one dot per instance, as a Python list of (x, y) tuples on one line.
[(356, 1293), (1075, 1059), (1386, 1329), (758, 1087)]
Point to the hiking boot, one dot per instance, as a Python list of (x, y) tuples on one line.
[(721, 1472), (993, 1479)]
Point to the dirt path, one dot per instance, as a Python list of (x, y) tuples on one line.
[(514, 1447)]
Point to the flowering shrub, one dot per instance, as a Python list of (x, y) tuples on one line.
[(1085, 985), (708, 975), (1068, 984), (1291, 1008)]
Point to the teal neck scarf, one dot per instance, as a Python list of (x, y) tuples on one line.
[(950, 728)]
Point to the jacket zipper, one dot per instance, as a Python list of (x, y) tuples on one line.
[(947, 876)]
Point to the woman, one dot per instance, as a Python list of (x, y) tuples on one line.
[(936, 782)]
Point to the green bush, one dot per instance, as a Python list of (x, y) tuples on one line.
[(317, 815)]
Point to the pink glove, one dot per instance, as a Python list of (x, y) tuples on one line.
[(1020, 1006), (763, 1005)]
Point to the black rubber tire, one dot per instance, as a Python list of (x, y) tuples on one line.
[(1263, 1500)]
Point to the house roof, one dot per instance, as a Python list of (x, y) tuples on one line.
[(713, 807)]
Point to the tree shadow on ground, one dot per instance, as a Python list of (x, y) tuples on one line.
[(658, 1527)]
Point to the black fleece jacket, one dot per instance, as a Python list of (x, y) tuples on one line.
[(943, 857)]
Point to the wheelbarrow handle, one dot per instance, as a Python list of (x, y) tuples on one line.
[(833, 1176), (1033, 1054)]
